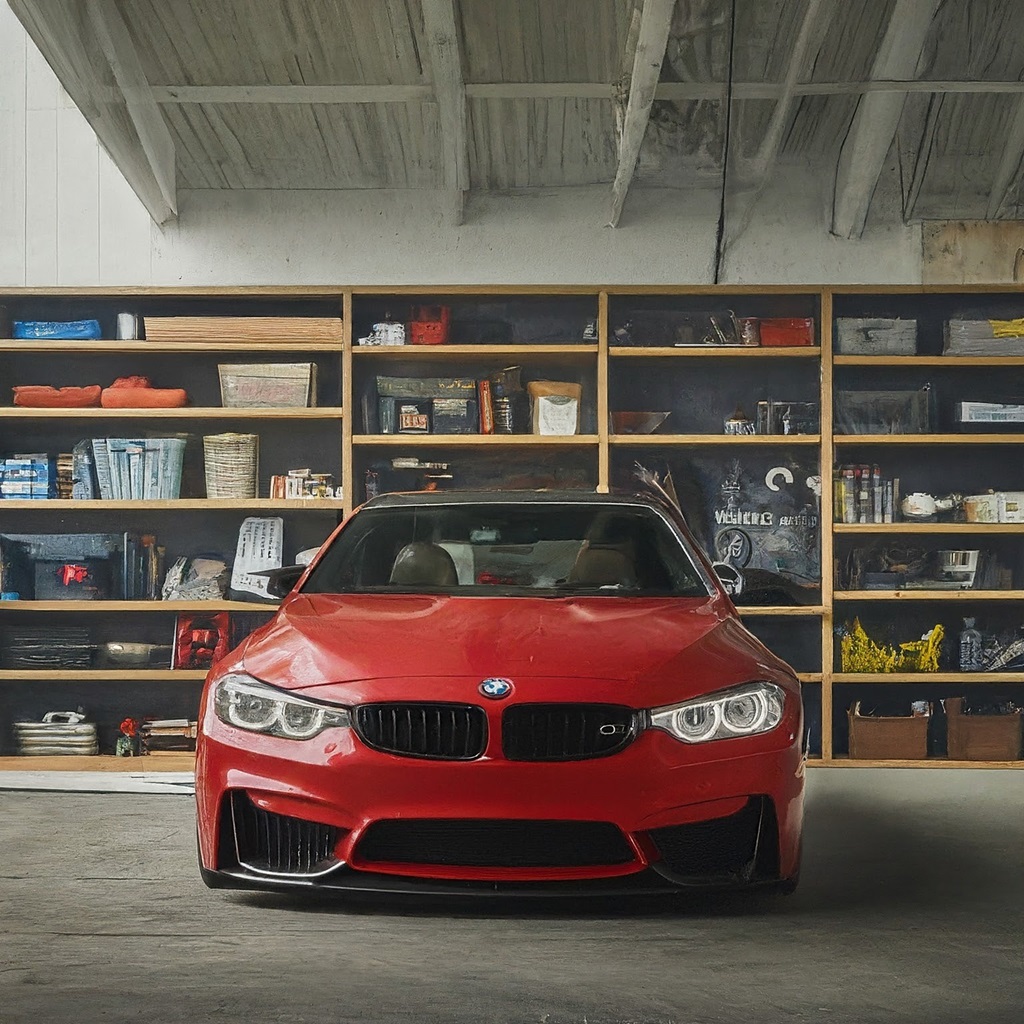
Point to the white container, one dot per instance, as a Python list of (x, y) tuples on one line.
[(981, 508), (1011, 506)]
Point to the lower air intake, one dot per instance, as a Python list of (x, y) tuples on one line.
[(277, 844), (494, 843), (721, 847)]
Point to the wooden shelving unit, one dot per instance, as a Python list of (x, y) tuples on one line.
[(603, 367)]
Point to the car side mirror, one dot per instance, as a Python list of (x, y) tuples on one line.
[(730, 577), (280, 582)]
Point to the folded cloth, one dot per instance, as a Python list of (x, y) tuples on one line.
[(46, 397), (137, 393)]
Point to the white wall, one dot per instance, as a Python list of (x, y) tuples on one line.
[(67, 217)]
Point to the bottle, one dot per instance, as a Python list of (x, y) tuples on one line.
[(970, 647)]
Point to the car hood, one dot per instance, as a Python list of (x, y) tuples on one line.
[(325, 640)]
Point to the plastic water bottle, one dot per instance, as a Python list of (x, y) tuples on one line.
[(970, 648)]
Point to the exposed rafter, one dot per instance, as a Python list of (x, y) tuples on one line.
[(816, 16), (1009, 163), (450, 91), (85, 43), (652, 38), (878, 116)]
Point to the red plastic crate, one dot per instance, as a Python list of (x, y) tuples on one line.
[(429, 325), (787, 331)]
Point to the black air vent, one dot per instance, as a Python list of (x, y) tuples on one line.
[(446, 732), (566, 732), (279, 844)]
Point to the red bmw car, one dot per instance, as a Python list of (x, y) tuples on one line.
[(538, 693)]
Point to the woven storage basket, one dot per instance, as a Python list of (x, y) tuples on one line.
[(232, 465), (981, 737), (888, 738)]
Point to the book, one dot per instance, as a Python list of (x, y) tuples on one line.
[(486, 406), (426, 387)]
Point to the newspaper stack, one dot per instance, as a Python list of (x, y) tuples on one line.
[(984, 338)]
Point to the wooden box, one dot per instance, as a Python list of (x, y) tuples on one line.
[(881, 738), (267, 385), (981, 737)]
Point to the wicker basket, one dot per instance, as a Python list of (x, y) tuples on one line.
[(981, 737), (878, 738), (232, 464)]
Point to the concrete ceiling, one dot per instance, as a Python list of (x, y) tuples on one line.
[(482, 95)]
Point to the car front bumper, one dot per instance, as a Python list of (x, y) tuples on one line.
[(676, 806)]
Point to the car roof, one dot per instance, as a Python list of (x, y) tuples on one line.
[(576, 497)]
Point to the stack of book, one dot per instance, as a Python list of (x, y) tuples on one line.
[(129, 469)]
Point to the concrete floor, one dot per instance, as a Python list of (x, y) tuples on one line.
[(911, 909)]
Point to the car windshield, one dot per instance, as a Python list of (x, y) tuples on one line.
[(542, 549)]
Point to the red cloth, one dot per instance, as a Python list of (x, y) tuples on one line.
[(43, 396), (137, 393)]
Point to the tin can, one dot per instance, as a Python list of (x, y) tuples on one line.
[(127, 326)]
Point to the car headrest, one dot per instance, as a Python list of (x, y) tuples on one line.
[(420, 563), (603, 566)]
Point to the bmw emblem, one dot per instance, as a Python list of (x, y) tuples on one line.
[(496, 689)]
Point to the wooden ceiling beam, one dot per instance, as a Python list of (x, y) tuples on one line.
[(449, 81), (877, 117), (80, 42), (169, 95), (651, 41)]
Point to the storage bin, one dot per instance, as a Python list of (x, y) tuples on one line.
[(787, 331), (876, 337), (266, 385), (981, 737), (430, 325), (232, 463), (886, 738)]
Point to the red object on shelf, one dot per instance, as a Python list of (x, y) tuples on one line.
[(137, 393), (429, 325), (46, 397), (783, 331)]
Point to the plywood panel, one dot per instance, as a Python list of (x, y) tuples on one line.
[(12, 148), (971, 252), (77, 200), (125, 242), (41, 195)]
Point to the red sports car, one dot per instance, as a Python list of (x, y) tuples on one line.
[(512, 692)]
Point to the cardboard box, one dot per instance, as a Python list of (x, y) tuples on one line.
[(1010, 506)]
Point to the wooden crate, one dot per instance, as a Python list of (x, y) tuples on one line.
[(981, 737), (883, 738)]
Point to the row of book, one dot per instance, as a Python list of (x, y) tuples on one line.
[(128, 469)]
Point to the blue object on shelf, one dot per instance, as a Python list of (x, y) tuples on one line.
[(56, 330)]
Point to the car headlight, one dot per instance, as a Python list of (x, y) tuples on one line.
[(246, 703), (740, 711)]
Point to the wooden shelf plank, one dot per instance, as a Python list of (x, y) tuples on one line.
[(913, 361), (767, 609), (87, 347), (883, 678), (939, 528), (717, 352), (931, 762), (929, 595), (171, 761), (474, 440), (141, 675), (809, 677), (186, 413), (940, 439), (741, 440), (442, 352), (175, 505), (163, 607)]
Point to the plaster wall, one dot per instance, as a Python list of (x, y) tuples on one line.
[(67, 217)]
